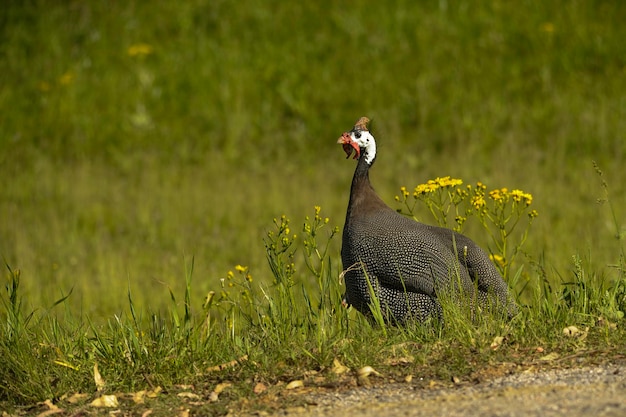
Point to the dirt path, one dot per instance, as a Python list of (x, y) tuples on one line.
[(590, 391)]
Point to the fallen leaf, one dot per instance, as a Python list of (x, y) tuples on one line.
[(76, 398), (139, 396), (188, 395), (226, 365), (154, 392), (367, 371), (549, 357), (97, 377), (213, 396), (105, 401), (339, 368), (295, 384), (146, 413), (497, 342), (405, 360), (259, 388), (52, 409), (408, 379), (221, 387), (571, 331)]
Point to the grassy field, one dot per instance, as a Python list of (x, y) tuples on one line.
[(141, 140)]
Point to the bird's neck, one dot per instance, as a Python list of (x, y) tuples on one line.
[(362, 194)]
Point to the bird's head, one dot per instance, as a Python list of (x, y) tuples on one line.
[(359, 140)]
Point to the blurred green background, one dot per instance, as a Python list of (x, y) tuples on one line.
[(136, 136)]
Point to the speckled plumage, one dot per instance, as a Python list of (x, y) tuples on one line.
[(408, 263)]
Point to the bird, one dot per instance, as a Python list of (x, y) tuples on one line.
[(402, 265)]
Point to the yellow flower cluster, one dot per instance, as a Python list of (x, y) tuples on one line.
[(478, 202), (499, 195), (433, 185), (243, 270), (502, 195), (519, 195), (318, 218)]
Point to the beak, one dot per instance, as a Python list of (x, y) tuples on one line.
[(349, 145)]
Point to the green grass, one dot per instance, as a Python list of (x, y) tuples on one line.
[(121, 170)]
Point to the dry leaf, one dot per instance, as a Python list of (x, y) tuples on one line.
[(367, 371), (97, 377), (295, 384), (184, 413), (154, 392), (105, 401), (497, 342), (76, 398), (571, 331), (408, 379), (230, 364), (338, 368), (549, 357), (139, 396), (52, 409), (259, 388), (146, 413), (405, 360), (221, 387), (213, 396), (189, 395)]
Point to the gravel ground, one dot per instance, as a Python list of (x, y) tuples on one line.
[(590, 391)]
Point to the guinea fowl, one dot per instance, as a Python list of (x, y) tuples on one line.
[(407, 264)]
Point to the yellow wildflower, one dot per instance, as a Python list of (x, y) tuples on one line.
[(139, 49), (499, 195), (425, 188), (66, 78), (517, 195), (447, 181), (478, 202), (497, 259), (528, 198), (241, 268)]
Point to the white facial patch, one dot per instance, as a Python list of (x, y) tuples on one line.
[(366, 141)]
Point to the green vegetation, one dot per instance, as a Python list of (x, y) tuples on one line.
[(145, 148)]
